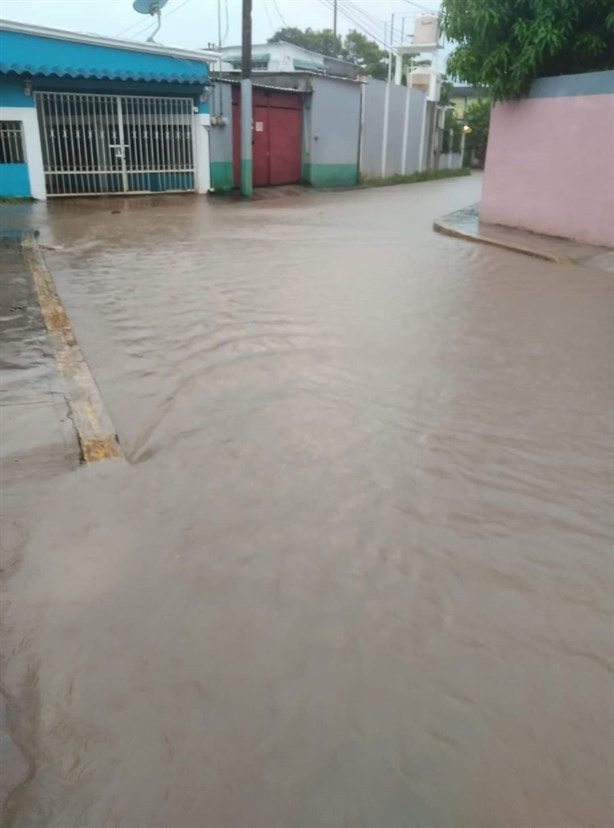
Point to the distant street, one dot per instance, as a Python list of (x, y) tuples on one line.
[(354, 569)]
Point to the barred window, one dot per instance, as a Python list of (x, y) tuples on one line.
[(11, 143)]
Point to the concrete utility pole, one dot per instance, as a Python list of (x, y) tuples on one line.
[(390, 48), (335, 20), (246, 101), (387, 100)]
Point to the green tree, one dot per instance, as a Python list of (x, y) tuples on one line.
[(322, 41), (365, 53), (446, 91), (355, 47), (452, 128), (477, 117), (506, 44)]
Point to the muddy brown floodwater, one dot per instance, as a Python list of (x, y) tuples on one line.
[(357, 567)]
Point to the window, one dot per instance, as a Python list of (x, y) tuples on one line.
[(257, 64), (11, 143)]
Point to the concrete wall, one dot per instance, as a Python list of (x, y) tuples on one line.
[(29, 179), (26, 179), (331, 128), (450, 161), (550, 160), (404, 135), (220, 137)]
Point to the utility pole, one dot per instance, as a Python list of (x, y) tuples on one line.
[(387, 100), (246, 100), (335, 22), (390, 48)]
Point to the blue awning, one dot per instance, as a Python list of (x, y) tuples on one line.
[(33, 54)]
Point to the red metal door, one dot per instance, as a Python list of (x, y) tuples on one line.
[(261, 151), (285, 150), (276, 137)]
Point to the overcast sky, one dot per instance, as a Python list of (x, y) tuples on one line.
[(194, 23)]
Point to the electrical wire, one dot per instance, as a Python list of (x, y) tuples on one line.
[(227, 24), (422, 8), (266, 9), (369, 18), (367, 29), (280, 14), (148, 24), (358, 23)]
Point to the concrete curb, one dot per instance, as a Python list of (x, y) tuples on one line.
[(448, 230), (95, 432)]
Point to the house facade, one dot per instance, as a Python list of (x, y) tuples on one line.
[(81, 114), (286, 57)]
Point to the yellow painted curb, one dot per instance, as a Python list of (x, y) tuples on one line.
[(95, 432), (446, 230)]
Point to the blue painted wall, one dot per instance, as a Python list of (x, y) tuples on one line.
[(114, 87), (14, 181), (33, 54), (11, 91)]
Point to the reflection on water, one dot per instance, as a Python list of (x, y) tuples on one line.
[(357, 570)]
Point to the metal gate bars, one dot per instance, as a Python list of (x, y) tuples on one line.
[(104, 144)]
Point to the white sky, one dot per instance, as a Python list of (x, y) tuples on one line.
[(194, 23)]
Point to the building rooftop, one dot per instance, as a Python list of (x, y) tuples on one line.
[(39, 50)]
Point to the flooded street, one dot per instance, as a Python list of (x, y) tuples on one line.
[(356, 568)]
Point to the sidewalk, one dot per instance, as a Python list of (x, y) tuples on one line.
[(466, 224), (37, 435)]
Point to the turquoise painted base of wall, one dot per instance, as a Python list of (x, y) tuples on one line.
[(331, 175), (14, 181), (247, 178), (222, 175)]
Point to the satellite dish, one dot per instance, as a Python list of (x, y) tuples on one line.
[(151, 7)]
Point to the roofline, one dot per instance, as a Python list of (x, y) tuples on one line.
[(287, 43), (202, 55), (230, 75)]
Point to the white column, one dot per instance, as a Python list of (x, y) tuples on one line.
[(32, 146), (405, 131), (202, 169), (421, 164), (385, 129)]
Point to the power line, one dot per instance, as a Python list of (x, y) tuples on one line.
[(371, 20), (227, 23), (266, 9), (280, 14), (148, 23), (358, 23), (422, 8)]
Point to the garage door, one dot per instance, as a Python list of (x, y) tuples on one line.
[(276, 137), (102, 144)]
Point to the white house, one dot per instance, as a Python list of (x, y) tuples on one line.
[(286, 57)]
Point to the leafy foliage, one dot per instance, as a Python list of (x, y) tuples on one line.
[(365, 53), (506, 44), (477, 116), (454, 126), (355, 47), (323, 41)]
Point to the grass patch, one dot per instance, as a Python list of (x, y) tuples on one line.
[(15, 199), (414, 178)]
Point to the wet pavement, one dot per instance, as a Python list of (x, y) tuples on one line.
[(37, 437), (466, 224), (356, 569)]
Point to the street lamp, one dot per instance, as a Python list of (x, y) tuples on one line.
[(466, 131)]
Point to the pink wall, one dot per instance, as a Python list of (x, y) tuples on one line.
[(550, 166)]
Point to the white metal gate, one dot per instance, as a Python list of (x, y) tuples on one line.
[(104, 144)]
